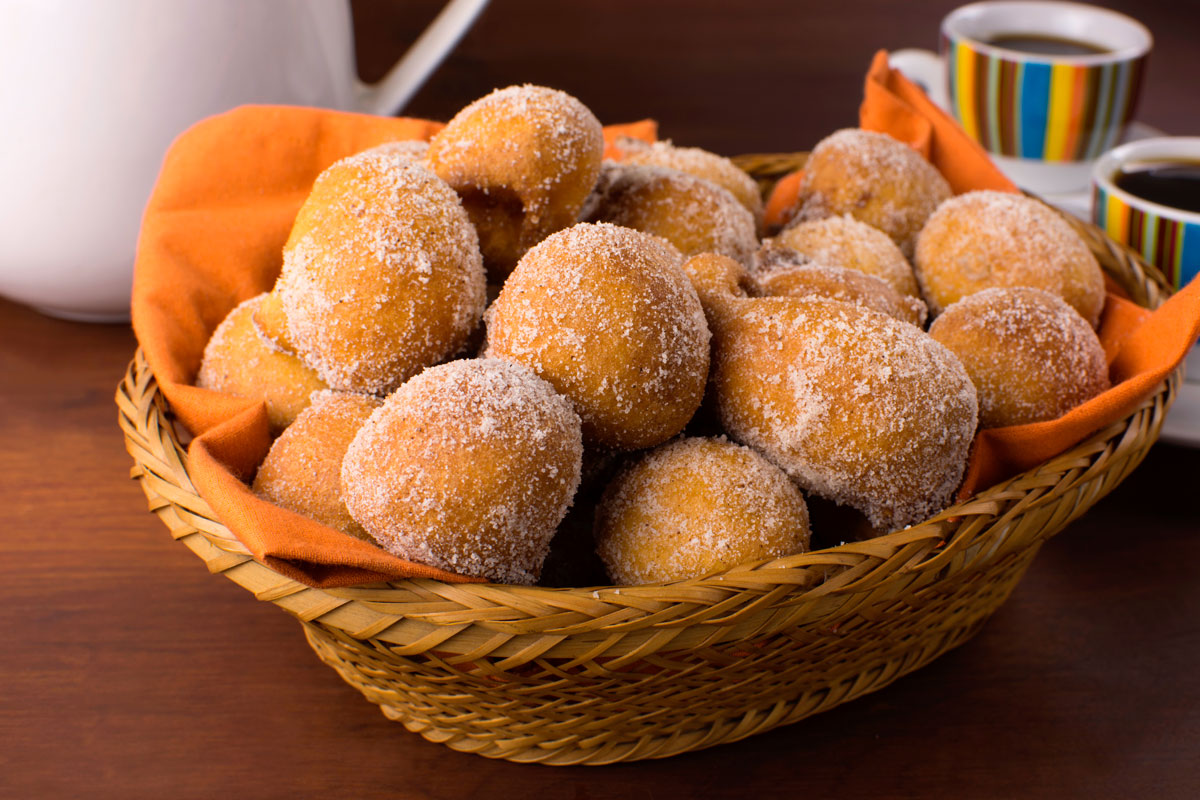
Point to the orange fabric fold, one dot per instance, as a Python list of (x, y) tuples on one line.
[(212, 236)]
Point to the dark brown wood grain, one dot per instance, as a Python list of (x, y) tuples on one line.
[(127, 671)]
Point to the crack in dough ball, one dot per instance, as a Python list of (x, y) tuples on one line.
[(523, 159), (381, 274), (240, 360), (845, 242), (855, 406), (697, 506), (1030, 355), (694, 214), (302, 470), (782, 272), (608, 317), (470, 467), (986, 239), (875, 179)]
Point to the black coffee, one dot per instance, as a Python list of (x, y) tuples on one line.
[(1045, 45), (1174, 183)]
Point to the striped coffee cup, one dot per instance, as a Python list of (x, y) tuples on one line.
[(1044, 87), (1168, 238)]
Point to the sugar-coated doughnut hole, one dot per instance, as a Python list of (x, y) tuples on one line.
[(608, 317), (1030, 355), (986, 239), (875, 179), (854, 405), (843, 241), (782, 272), (702, 164), (302, 470), (694, 214), (381, 273), (469, 467), (241, 361), (523, 159), (697, 506)]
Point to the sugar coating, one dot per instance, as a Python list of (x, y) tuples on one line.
[(523, 158), (694, 214), (609, 318), (1030, 355), (696, 506), (986, 239), (414, 149), (241, 361), (781, 271), (843, 241), (382, 273), (302, 470), (855, 406), (875, 179), (469, 466), (702, 164)]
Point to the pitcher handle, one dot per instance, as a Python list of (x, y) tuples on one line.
[(391, 94)]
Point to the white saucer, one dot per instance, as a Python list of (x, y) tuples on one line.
[(1079, 202)]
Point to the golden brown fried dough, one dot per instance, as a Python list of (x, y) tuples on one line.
[(695, 215), (1030, 355), (523, 159), (697, 506), (302, 471), (381, 274), (606, 315), (702, 164), (470, 466), (986, 239), (240, 360), (782, 272), (855, 406), (845, 242), (875, 179)]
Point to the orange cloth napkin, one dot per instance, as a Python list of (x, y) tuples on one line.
[(212, 236)]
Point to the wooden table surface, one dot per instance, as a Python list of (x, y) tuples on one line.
[(127, 671)]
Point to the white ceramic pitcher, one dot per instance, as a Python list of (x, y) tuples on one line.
[(91, 95)]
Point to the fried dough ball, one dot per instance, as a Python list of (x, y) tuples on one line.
[(985, 239), (845, 242), (702, 164), (302, 470), (523, 159), (855, 406), (782, 272), (470, 466), (240, 360), (606, 315), (875, 179), (695, 215), (694, 507), (1029, 354), (271, 320), (381, 274)]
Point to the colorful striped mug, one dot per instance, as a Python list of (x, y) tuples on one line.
[(1168, 238), (1043, 116)]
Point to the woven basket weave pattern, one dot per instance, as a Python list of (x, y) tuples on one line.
[(605, 674)]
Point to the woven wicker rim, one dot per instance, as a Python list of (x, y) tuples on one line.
[(521, 623)]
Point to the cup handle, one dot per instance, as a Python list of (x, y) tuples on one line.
[(924, 68), (391, 94)]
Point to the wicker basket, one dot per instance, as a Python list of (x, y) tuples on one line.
[(606, 674)]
